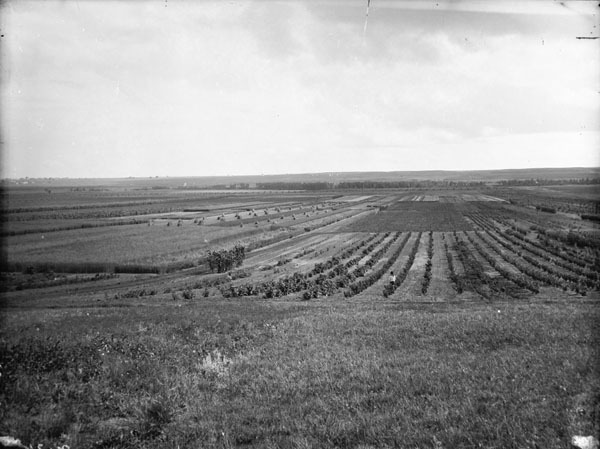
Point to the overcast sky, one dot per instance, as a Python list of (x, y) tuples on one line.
[(146, 88)]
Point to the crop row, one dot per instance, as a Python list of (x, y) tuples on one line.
[(454, 277), (390, 288), (545, 245), (533, 268), (366, 281), (336, 260), (520, 280), (541, 259), (315, 283), (428, 265), (581, 240), (561, 272), (474, 277), (530, 246)]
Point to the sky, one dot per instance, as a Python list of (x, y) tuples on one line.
[(200, 88)]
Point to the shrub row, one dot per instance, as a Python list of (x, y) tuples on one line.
[(543, 274), (361, 285), (526, 244), (314, 284), (456, 280), (428, 265), (390, 288), (474, 277), (518, 280), (575, 277)]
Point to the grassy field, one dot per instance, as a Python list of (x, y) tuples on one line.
[(334, 373)]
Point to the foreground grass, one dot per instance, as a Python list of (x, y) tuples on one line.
[(319, 374)]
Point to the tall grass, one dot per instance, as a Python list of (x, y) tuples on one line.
[(330, 374)]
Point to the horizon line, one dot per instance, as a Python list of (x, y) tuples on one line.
[(597, 167)]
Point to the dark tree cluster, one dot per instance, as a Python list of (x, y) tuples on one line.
[(226, 259)]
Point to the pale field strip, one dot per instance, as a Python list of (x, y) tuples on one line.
[(467, 197), (491, 198), (441, 287), (449, 199), (353, 198), (405, 198), (346, 216), (282, 250), (410, 289)]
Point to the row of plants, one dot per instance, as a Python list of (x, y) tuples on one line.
[(571, 276), (334, 261), (474, 277), (543, 274), (559, 249), (390, 288), (548, 257), (519, 280), (374, 275), (585, 271), (428, 265), (454, 277), (576, 239), (314, 284), (477, 279)]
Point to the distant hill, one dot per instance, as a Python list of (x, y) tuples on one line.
[(488, 176)]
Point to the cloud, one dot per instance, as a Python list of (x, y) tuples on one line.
[(260, 87)]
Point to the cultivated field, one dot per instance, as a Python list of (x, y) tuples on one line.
[(121, 330)]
